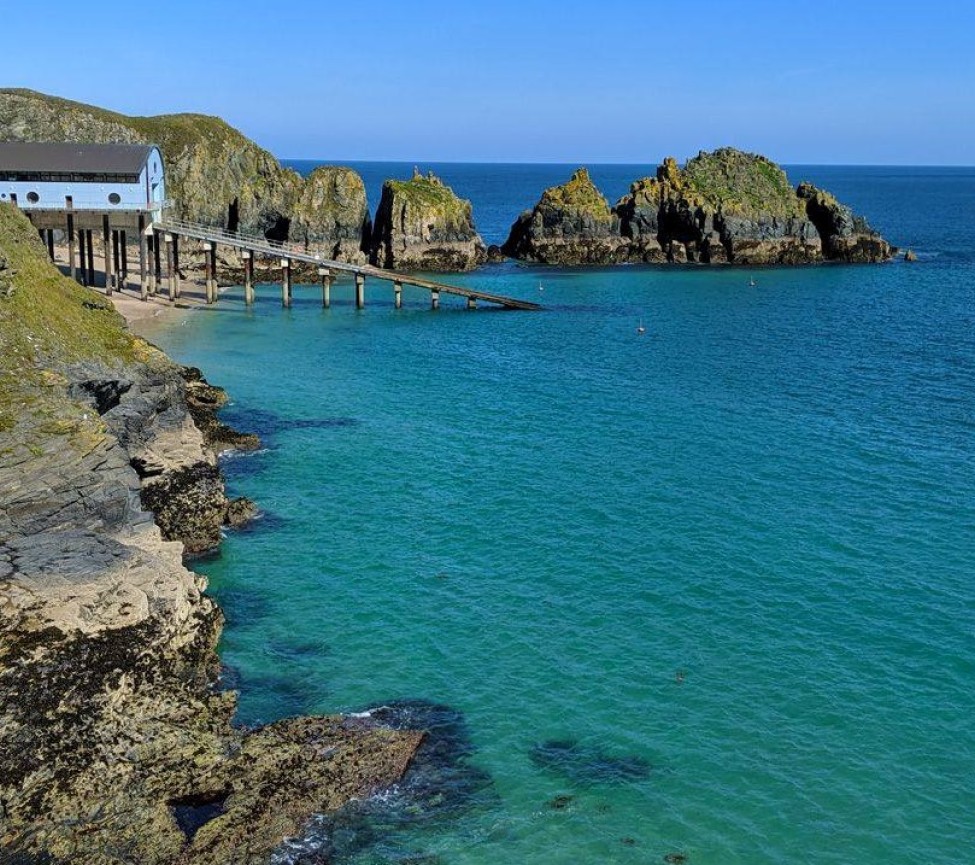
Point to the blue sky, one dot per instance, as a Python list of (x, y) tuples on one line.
[(605, 81)]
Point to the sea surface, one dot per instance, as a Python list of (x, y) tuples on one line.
[(705, 592)]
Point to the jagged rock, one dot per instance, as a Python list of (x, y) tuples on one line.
[(114, 743), (422, 225), (910, 255), (214, 174), (331, 213), (571, 224), (723, 206), (846, 236)]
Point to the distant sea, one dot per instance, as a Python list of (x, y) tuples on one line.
[(705, 593)]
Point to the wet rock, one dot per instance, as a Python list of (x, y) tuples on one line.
[(561, 802), (845, 236), (910, 255), (675, 858), (587, 765)]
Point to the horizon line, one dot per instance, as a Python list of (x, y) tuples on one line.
[(420, 162)]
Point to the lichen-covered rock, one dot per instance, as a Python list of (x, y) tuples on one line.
[(332, 214), (724, 206), (846, 236), (571, 224), (115, 746), (214, 174), (422, 225)]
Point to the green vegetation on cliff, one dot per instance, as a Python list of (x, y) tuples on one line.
[(741, 183), (579, 196), (47, 321), (428, 194)]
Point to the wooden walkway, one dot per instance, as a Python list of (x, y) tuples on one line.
[(164, 237)]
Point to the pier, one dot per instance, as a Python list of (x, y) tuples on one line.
[(166, 234)]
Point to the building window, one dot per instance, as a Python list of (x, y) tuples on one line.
[(33, 197), (114, 198)]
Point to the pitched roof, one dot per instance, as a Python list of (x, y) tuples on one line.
[(81, 158)]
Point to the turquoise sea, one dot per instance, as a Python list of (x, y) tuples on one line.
[(708, 592)]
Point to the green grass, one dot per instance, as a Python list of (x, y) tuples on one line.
[(742, 183)]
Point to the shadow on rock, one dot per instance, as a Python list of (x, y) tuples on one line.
[(583, 764)]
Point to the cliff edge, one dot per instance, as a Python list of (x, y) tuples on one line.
[(115, 742)]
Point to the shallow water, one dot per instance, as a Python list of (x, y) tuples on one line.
[(707, 590)]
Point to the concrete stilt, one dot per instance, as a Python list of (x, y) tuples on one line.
[(176, 277), (326, 276), (143, 282), (50, 243), (208, 268), (213, 271), (286, 282), (70, 230), (360, 291), (90, 243), (123, 248), (434, 299), (398, 294), (157, 243), (248, 276), (171, 265), (116, 261), (107, 253), (82, 266), (472, 303)]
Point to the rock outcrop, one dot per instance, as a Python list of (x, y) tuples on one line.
[(115, 744), (721, 207), (214, 174), (571, 224), (422, 225)]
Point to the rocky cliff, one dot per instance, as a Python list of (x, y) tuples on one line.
[(422, 225), (723, 206), (214, 174), (115, 744)]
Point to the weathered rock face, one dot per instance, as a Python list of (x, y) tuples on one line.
[(724, 206), (115, 745), (214, 174), (846, 236), (571, 224), (422, 225), (331, 213)]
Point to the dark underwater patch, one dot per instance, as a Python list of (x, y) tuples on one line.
[(583, 764), (243, 606), (284, 695), (294, 651), (267, 424)]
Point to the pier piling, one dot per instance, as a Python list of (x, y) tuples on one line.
[(208, 268), (434, 299), (70, 230), (360, 291), (286, 282), (248, 258), (398, 294), (326, 276), (107, 253), (171, 266)]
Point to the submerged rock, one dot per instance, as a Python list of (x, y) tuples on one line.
[(584, 764), (722, 207), (422, 225)]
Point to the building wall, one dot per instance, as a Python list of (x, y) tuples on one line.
[(90, 195)]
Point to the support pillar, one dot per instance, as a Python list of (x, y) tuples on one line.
[(177, 280), (156, 280), (398, 294), (83, 269), (248, 276), (286, 282), (50, 243), (171, 265), (434, 299), (90, 243), (116, 261), (472, 303), (123, 246), (70, 230), (213, 272), (360, 291), (326, 276), (143, 281), (208, 271), (107, 252)]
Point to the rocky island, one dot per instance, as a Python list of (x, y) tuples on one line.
[(722, 207), (422, 225), (116, 741)]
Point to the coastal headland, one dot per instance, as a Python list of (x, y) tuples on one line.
[(721, 207), (116, 737)]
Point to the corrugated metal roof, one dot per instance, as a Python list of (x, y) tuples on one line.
[(81, 158)]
